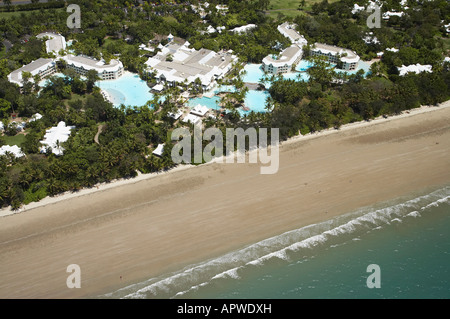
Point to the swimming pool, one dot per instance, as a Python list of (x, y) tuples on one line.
[(210, 102), (254, 73), (129, 90), (256, 101), (303, 65), (44, 82)]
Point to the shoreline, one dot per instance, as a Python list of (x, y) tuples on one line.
[(145, 228), (126, 181)]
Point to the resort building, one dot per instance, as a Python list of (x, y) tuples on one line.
[(54, 137), (192, 118), (200, 110), (14, 150), (41, 67), (344, 58), (415, 68), (178, 64), (283, 63), (82, 64), (159, 150), (55, 42), (244, 28), (288, 30)]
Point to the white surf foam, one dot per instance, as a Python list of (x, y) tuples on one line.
[(330, 234)]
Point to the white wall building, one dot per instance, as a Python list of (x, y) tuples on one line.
[(344, 58), (41, 67), (284, 62), (244, 28), (82, 64), (54, 137), (55, 43), (415, 68), (177, 63), (15, 150), (288, 30)]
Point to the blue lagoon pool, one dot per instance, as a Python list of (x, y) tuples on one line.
[(129, 90)]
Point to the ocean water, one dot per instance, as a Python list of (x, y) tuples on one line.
[(409, 240)]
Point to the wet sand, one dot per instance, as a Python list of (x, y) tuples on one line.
[(133, 230)]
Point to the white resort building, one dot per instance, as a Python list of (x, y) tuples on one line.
[(344, 58), (288, 30), (54, 137), (55, 42), (178, 64), (284, 62), (82, 64), (41, 67)]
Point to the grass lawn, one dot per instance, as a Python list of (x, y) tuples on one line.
[(11, 14), (289, 8), (14, 140)]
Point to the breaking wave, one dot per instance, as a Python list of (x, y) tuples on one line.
[(297, 244)]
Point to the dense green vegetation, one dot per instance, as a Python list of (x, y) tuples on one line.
[(126, 137)]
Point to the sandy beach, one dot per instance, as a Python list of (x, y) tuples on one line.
[(131, 230)]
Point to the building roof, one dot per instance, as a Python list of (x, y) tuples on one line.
[(55, 43), (350, 56), (177, 115), (194, 119), (415, 68), (34, 68), (35, 117), (288, 30), (288, 56), (56, 135), (200, 110), (244, 28), (15, 150), (159, 150), (189, 64), (89, 63)]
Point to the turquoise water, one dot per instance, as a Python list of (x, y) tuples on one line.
[(129, 90), (409, 239), (254, 73), (303, 65), (210, 102), (44, 82), (255, 100)]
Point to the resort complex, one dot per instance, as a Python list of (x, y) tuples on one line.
[(177, 63), (345, 59), (233, 149), (56, 44)]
